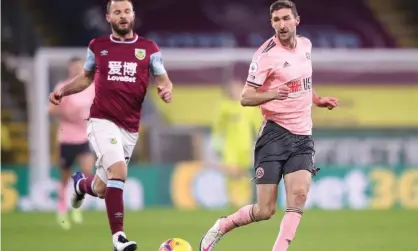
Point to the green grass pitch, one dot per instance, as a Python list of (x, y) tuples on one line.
[(395, 230)]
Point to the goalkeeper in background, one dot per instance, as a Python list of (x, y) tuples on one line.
[(233, 135)]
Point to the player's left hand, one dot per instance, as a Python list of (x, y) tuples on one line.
[(165, 94), (328, 102)]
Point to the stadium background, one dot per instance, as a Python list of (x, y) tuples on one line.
[(366, 195)]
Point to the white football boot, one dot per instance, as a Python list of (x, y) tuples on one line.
[(212, 237), (120, 243)]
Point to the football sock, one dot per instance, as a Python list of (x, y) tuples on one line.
[(288, 227), (85, 186), (62, 198), (242, 217), (114, 204)]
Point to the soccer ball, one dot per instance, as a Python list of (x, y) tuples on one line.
[(175, 244)]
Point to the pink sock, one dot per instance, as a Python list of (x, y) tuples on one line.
[(290, 223), (86, 186), (62, 198), (242, 217)]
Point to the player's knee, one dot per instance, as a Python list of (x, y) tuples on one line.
[(298, 196), (265, 212), (117, 171)]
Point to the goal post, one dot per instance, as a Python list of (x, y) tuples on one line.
[(49, 60)]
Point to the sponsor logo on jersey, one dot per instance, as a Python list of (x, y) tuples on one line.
[(300, 86), (122, 71)]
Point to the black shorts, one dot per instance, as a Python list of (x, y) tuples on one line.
[(69, 153), (279, 152)]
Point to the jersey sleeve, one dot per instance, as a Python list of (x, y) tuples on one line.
[(90, 63), (260, 69), (156, 61)]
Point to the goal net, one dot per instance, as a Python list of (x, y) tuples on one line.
[(198, 75)]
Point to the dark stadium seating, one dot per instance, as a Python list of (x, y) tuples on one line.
[(328, 23), (215, 23)]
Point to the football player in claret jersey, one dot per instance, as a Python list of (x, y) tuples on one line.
[(280, 82), (120, 64)]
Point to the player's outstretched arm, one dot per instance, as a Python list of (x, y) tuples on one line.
[(80, 82), (251, 97), (328, 102), (76, 85)]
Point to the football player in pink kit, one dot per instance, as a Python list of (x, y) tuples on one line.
[(121, 64), (72, 117), (279, 81)]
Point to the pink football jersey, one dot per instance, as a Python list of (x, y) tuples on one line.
[(274, 65), (74, 112), (122, 72)]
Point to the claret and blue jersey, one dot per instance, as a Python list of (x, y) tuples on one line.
[(121, 75)]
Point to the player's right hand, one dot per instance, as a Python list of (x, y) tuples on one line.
[(55, 97), (283, 92)]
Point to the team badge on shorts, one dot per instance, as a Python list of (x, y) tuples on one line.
[(259, 172), (140, 54), (113, 141), (308, 56)]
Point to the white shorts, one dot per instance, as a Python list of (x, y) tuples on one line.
[(111, 143)]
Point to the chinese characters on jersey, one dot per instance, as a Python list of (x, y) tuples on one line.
[(122, 71)]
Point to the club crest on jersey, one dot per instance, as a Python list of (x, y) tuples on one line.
[(140, 54)]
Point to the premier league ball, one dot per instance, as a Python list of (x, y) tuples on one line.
[(175, 244)]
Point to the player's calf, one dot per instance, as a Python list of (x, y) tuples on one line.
[(263, 210), (116, 174), (297, 186), (99, 187)]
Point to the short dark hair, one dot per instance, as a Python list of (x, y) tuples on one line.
[(110, 2), (284, 4)]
